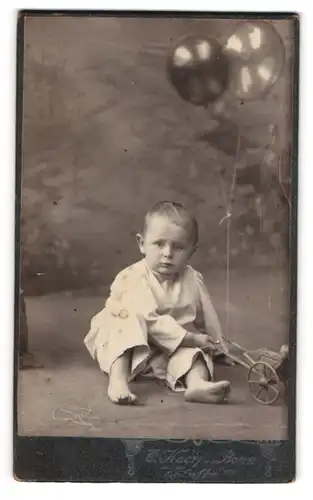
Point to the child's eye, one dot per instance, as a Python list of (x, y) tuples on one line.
[(159, 244), (179, 247)]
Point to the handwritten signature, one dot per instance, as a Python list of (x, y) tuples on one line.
[(81, 416)]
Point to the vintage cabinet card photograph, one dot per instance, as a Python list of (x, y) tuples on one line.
[(156, 236)]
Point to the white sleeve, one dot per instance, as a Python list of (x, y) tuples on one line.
[(121, 293), (165, 332), (211, 321)]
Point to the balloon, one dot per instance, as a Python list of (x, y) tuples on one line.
[(257, 55), (198, 70)]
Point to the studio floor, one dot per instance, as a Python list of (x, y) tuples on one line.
[(67, 396)]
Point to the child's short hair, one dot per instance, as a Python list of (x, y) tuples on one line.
[(178, 214)]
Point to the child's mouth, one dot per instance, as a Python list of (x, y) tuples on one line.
[(166, 265)]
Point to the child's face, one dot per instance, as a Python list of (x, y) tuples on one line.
[(166, 246)]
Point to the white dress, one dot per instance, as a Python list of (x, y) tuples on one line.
[(152, 318)]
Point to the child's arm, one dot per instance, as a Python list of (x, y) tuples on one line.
[(207, 318), (168, 335), (165, 332), (200, 340)]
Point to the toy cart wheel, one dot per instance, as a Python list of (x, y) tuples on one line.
[(264, 383)]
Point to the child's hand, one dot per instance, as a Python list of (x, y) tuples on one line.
[(203, 342), (223, 347)]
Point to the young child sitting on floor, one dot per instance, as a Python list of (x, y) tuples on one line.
[(159, 320)]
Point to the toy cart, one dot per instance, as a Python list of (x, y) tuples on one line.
[(267, 370)]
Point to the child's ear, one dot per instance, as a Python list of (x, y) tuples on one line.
[(140, 243)]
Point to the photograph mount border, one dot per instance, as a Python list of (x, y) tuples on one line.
[(57, 459)]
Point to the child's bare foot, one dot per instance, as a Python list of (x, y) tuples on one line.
[(208, 392), (119, 393)]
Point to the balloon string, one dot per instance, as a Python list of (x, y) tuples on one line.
[(280, 180), (227, 274), (228, 229)]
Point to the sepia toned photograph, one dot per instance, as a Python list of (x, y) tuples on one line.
[(157, 162)]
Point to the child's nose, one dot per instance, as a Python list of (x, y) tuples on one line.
[(167, 251)]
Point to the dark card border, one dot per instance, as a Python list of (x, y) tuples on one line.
[(48, 459)]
